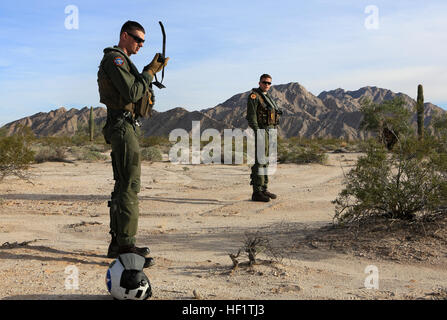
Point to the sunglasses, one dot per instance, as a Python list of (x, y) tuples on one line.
[(266, 82), (137, 39)]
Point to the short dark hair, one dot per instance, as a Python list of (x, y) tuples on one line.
[(131, 26), (265, 75)]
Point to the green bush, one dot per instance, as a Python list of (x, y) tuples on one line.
[(3, 132), (152, 154), (83, 134), (54, 142), (88, 153), (50, 154), (152, 141), (312, 153), (15, 156), (396, 185)]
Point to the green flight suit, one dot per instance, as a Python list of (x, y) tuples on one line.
[(121, 86), (262, 113)]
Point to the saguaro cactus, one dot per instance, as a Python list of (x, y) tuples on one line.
[(91, 124), (420, 112)]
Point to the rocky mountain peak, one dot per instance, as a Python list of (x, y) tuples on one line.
[(333, 113)]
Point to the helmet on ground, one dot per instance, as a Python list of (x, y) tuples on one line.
[(126, 280)]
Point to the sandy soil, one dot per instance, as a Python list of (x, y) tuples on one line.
[(192, 217)]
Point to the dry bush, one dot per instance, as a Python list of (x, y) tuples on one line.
[(152, 154), (15, 157), (50, 154), (88, 153), (301, 155), (399, 185), (253, 246)]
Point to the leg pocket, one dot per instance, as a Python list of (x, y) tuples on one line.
[(135, 185)]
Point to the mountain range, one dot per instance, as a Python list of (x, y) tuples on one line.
[(334, 113)]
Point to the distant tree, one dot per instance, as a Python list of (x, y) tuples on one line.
[(387, 120)]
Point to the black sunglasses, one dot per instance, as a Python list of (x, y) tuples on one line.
[(266, 82), (137, 39)]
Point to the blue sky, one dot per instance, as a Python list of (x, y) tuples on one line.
[(219, 48)]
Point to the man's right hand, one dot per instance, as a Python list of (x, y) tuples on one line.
[(156, 64)]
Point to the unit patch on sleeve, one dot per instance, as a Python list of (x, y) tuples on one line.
[(118, 61), (253, 96)]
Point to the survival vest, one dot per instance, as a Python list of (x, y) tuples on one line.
[(267, 112), (110, 96)]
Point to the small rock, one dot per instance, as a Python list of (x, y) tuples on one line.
[(197, 295)]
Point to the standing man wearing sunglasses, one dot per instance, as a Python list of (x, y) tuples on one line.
[(262, 115), (128, 95)]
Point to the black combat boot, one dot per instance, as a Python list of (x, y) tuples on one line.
[(144, 251), (148, 262), (259, 196), (269, 194)]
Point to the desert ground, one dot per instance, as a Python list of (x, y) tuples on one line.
[(193, 217)]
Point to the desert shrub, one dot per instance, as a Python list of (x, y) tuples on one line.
[(15, 156), (161, 142), (151, 154), (82, 135), (3, 132), (91, 155), (50, 154), (439, 122), (409, 181), (88, 153), (99, 147), (397, 185), (54, 141), (325, 143), (152, 141), (80, 138), (254, 245), (312, 153)]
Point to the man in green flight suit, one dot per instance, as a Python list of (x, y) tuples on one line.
[(127, 93), (262, 115)]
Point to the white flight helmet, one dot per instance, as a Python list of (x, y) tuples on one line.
[(126, 280)]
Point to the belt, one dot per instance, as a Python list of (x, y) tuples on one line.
[(126, 115)]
